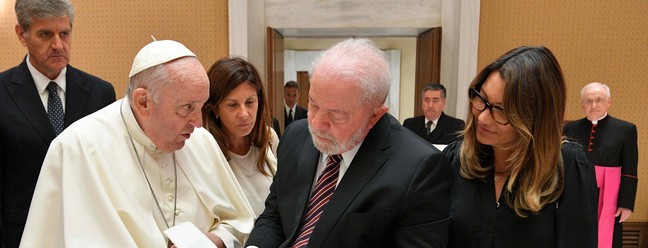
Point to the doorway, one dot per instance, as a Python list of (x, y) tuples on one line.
[(420, 67)]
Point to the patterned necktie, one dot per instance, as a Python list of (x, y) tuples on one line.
[(55, 108), (322, 193), (429, 126)]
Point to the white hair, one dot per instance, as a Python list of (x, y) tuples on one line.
[(593, 85), (357, 60)]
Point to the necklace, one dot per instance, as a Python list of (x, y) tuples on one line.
[(500, 175), (175, 172)]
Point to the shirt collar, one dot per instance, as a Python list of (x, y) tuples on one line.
[(435, 121), (594, 122), (348, 156), (289, 108), (42, 81)]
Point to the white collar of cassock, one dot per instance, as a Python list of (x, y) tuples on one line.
[(136, 132)]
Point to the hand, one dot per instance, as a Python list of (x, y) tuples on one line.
[(624, 212), (216, 240)]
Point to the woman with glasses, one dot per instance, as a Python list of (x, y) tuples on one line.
[(517, 182), (237, 115)]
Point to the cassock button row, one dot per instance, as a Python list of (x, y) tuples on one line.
[(170, 198), (168, 182)]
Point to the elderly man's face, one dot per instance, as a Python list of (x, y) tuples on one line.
[(595, 103), (170, 122), (337, 119), (48, 42)]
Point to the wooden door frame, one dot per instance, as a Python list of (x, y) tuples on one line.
[(304, 86), (274, 74), (428, 64), (428, 68)]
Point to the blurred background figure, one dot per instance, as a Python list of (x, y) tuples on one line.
[(237, 116), (517, 182), (612, 145), (434, 126), (293, 110)]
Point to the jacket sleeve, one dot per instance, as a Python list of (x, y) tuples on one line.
[(576, 217), (629, 161)]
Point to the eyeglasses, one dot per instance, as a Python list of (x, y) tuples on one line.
[(597, 101), (481, 104)]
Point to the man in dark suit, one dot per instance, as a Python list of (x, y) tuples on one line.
[(27, 126), (293, 111), (434, 126), (612, 145), (350, 175)]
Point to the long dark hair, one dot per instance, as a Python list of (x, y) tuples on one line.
[(534, 103), (224, 76)]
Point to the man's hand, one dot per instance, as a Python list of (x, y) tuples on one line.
[(624, 212), (213, 238), (218, 241)]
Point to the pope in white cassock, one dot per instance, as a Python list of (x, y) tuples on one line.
[(120, 176)]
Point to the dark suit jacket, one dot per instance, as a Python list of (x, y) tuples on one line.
[(444, 133), (300, 113), (275, 126), (26, 132), (395, 193)]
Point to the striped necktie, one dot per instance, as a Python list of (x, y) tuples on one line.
[(321, 195), (55, 108), (429, 126)]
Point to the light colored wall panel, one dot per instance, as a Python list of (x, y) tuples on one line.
[(352, 14)]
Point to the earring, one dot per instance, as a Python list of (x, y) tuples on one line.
[(217, 117)]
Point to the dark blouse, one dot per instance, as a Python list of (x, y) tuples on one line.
[(477, 220)]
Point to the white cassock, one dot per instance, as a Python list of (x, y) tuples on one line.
[(92, 191)]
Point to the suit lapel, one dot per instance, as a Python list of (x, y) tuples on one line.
[(306, 167), (365, 165), (77, 96), (23, 92)]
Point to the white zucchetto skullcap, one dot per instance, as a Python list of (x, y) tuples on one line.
[(157, 53)]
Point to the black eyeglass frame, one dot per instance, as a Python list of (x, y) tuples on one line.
[(472, 92)]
